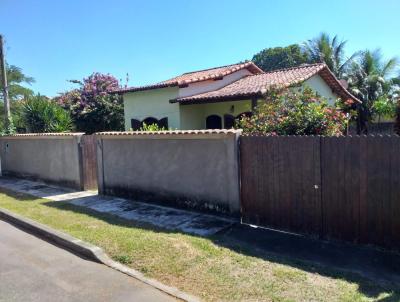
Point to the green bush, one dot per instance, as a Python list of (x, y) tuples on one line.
[(152, 127), (300, 112), (40, 115), (384, 107)]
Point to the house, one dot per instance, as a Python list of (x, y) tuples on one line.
[(213, 98)]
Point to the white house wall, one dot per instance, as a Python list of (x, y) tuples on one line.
[(322, 88)]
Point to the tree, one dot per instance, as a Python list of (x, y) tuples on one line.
[(16, 80), (323, 49), (280, 57), (16, 92), (93, 107), (289, 112), (41, 115), (370, 79)]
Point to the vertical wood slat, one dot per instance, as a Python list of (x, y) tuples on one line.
[(278, 178), (357, 197), (89, 162), (395, 195)]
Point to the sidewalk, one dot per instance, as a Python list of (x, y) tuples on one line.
[(164, 217)]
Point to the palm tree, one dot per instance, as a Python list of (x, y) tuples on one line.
[(329, 51), (370, 79), (16, 78)]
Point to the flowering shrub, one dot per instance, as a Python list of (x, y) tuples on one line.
[(289, 112), (92, 106)]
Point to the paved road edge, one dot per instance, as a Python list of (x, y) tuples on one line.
[(88, 251)]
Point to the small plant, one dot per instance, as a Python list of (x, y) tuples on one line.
[(152, 127)]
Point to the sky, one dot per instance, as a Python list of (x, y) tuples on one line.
[(55, 41)]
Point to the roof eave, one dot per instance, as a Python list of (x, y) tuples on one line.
[(144, 88), (208, 100), (344, 93)]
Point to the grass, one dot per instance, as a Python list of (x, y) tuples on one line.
[(205, 267)]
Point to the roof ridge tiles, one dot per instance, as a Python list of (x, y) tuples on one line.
[(224, 66), (297, 67)]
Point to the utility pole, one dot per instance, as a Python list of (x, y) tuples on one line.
[(7, 114)]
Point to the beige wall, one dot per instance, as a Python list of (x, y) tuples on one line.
[(152, 103), (51, 158), (194, 170)]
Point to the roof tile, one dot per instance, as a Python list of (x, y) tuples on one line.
[(197, 76), (258, 84)]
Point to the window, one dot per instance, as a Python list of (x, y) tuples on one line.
[(229, 121), (135, 124), (248, 114), (150, 121), (214, 122), (163, 123)]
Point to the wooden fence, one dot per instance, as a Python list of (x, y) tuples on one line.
[(89, 162), (345, 188)]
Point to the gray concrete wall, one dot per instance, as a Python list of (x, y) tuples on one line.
[(194, 169), (54, 158)]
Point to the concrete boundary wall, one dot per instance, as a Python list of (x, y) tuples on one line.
[(192, 169), (53, 158)]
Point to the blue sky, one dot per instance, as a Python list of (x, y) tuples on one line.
[(54, 41)]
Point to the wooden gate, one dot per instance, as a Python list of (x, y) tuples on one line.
[(280, 183), (345, 188), (89, 162)]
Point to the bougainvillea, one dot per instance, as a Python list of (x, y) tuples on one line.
[(295, 112), (93, 107)]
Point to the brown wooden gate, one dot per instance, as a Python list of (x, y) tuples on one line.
[(89, 162), (345, 188)]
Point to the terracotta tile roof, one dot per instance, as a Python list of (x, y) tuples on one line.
[(197, 76), (257, 85)]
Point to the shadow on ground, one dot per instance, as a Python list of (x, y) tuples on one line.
[(374, 271)]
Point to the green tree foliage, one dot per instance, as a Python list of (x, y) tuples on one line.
[(93, 107), (41, 115), (17, 91), (16, 80), (280, 57), (301, 112), (370, 79), (330, 51), (384, 107)]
